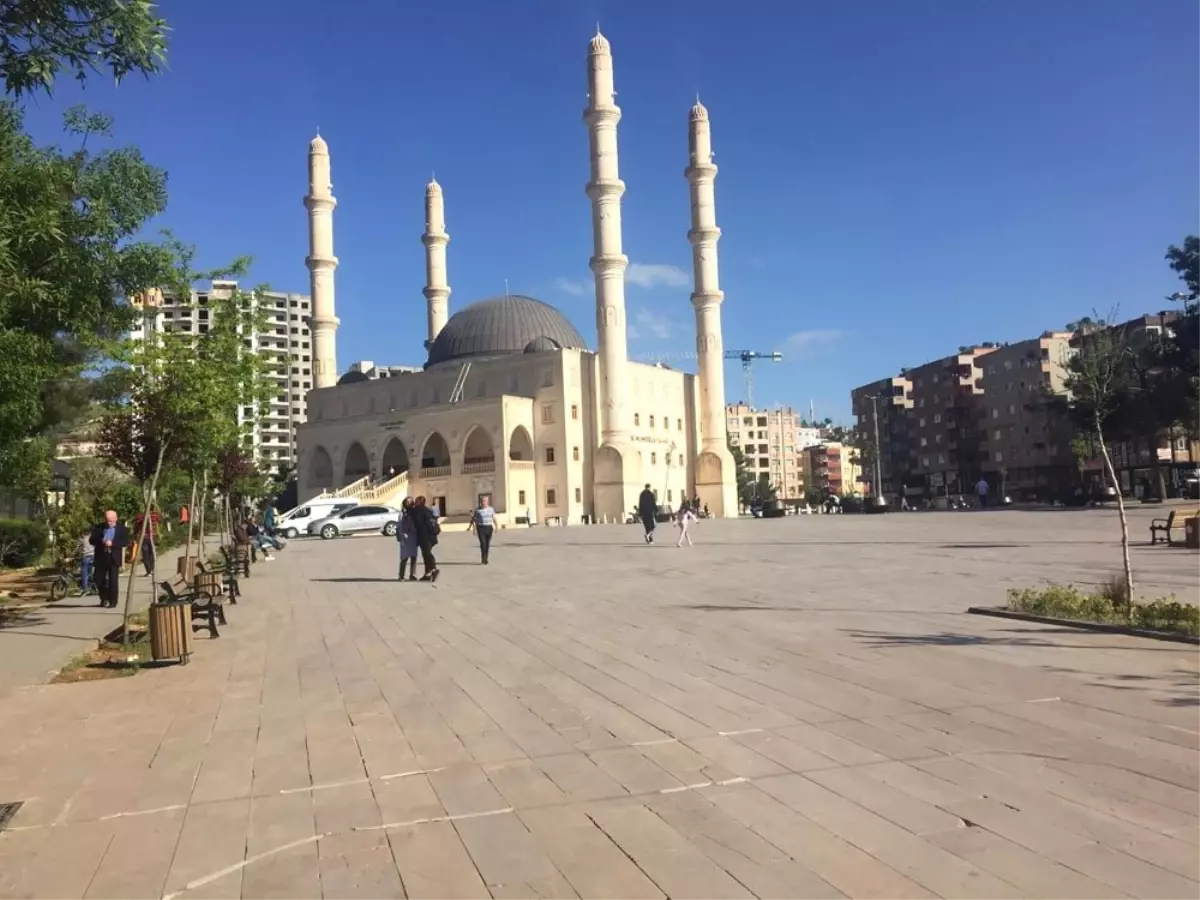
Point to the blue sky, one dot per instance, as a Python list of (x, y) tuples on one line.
[(896, 179)]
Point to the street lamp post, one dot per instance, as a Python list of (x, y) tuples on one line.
[(878, 501)]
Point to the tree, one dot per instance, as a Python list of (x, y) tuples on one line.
[(745, 478), (1186, 261), (68, 258), (41, 38), (1101, 384)]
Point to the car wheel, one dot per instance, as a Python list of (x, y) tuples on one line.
[(329, 532), (291, 533), (390, 529)]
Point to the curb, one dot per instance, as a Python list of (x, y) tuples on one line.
[(1085, 626)]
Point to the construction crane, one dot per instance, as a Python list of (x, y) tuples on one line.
[(747, 357)]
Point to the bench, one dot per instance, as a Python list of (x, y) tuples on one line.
[(228, 576), (205, 606), (238, 558), (1172, 522)]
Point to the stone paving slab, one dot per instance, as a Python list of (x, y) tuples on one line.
[(792, 708)]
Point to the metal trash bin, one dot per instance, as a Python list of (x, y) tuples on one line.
[(171, 630)]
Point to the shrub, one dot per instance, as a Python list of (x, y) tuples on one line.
[(1065, 601), (21, 542)]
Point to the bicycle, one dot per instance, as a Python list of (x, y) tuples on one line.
[(66, 583)]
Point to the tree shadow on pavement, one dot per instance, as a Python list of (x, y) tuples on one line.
[(20, 617), (1008, 638)]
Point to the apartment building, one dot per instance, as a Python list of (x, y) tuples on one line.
[(1027, 453), (285, 340), (892, 401), (767, 439), (808, 436), (374, 372), (832, 469)]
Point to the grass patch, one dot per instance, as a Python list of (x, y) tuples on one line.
[(1107, 606), (107, 661)]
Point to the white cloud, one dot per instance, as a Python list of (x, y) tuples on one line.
[(805, 342), (651, 326), (576, 287), (649, 275)]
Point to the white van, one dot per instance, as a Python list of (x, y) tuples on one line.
[(295, 522)]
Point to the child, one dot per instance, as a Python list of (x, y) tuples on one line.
[(87, 554), (683, 519)]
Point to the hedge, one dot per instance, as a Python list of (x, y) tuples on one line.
[(22, 542)]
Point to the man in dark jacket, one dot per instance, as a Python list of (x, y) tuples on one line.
[(647, 510), (425, 524), (110, 540)]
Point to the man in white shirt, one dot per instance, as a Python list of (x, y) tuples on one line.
[(981, 489)]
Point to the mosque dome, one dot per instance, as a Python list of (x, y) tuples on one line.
[(353, 378), (500, 326)]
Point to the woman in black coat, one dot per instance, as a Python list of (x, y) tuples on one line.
[(427, 529)]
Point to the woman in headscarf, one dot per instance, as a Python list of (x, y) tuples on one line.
[(406, 536)]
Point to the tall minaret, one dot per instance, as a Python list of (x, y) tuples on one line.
[(435, 239), (701, 174), (321, 264), (608, 262)]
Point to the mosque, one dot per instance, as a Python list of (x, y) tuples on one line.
[(511, 402)]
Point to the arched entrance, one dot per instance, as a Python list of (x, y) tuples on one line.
[(436, 452), (520, 445), (477, 449), (357, 465), (320, 469), (395, 459)]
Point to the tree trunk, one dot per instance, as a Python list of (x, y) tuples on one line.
[(187, 547), (203, 508), (1112, 476), (140, 538), (1160, 483)]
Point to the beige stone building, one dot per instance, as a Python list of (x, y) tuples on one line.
[(768, 439), (511, 402)]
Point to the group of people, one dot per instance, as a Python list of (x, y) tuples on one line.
[(648, 513), (418, 529)]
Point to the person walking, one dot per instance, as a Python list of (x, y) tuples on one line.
[(406, 537), (904, 497), (87, 562), (981, 491), (427, 529), (647, 510), (109, 540), (483, 520), (148, 539), (683, 519)]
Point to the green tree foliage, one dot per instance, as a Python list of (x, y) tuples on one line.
[(68, 258), (39, 39), (745, 478), (1186, 261)]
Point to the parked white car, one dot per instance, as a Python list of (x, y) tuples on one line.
[(295, 522), (381, 519)]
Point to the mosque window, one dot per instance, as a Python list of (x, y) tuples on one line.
[(679, 424), (547, 413), (666, 422), (578, 495), (652, 421), (575, 454), (551, 497), (550, 455), (670, 495), (653, 459), (520, 498), (681, 459), (574, 411), (637, 418)]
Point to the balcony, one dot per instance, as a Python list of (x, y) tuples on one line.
[(520, 465), (480, 467), (435, 472)]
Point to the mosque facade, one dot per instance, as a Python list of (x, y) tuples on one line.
[(511, 402)]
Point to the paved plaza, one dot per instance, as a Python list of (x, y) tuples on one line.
[(791, 708)]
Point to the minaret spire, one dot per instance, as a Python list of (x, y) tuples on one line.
[(435, 239), (715, 481), (608, 262), (321, 263)]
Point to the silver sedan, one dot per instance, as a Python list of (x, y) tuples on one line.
[(359, 518)]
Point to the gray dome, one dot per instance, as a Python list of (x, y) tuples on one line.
[(503, 325), (542, 344), (353, 378)]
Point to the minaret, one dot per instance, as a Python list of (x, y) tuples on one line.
[(321, 264), (701, 174), (716, 480), (435, 239), (608, 262)]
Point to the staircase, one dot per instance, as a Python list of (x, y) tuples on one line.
[(383, 494)]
